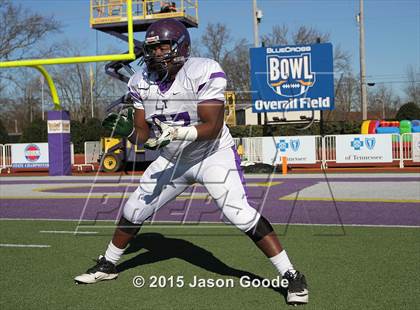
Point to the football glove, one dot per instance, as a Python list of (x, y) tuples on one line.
[(166, 136), (119, 124), (169, 133)]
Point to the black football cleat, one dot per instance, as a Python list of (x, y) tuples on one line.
[(297, 290), (103, 270)]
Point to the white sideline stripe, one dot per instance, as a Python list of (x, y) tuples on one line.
[(9, 245), (67, 232), (189, 225)]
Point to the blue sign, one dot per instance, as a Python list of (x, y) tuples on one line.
[(292, 78)]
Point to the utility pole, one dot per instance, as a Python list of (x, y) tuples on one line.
[(91, 89), (363, 90), (42, 95), (31, 112), (256, 19)]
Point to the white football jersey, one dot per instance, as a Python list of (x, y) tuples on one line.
[(198, 80)]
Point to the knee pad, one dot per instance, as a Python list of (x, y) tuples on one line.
[(128, 227), (136, 210), (260, 230)]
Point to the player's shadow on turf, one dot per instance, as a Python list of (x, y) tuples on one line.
[(162, 248)]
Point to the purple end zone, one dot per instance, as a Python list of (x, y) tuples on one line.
[(6, 180), (265, 199), (307, 212)]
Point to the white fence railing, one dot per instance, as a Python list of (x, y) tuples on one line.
[(1, 157), (6, 161), (405, 147), (92, 152), (5, 157), (401, 148)]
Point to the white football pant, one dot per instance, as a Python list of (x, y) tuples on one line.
[(220, 174)]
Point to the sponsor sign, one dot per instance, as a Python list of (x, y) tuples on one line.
[(292, 78), (58, 126), (30, 155), (416, 147), (298, 150), (364, 148)]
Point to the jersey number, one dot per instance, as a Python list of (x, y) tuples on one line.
[(179, 117)]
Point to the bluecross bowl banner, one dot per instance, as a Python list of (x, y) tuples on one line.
[(292, 78)]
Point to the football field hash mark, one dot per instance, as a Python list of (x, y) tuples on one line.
[(10, 245), (68, 232)]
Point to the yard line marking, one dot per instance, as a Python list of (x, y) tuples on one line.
[(188, 225), (290, 198), (67, 232), (87, 196), (10, 245)]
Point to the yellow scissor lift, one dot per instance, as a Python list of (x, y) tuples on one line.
[(110, 16)]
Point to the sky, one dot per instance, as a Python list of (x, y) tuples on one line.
[(392, 28)]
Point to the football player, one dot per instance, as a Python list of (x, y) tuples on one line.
[(179, 109)]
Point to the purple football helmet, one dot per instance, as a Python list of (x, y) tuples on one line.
[(166, 31)]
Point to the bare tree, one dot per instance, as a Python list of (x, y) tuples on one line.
[(233, 57), (73, 84), (21, 30), (237, 66), (305, 35), (413, 88), (216, 40), (382, 102), (24, 105), (346, 97), (278, 36), (195, 50)]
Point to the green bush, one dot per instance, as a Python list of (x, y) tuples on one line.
[(409, 111), (4, 137), (82, 132), (77, 132), (35, 132), (329, 128)]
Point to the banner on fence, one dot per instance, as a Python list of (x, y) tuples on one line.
[(416, 147), (298, 150), (30, 155), (363, 148)]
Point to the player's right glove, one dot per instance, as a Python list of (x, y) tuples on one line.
[(166, 136), (119, 124), (169, 133)]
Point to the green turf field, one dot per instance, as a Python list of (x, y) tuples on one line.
[(364, 268)]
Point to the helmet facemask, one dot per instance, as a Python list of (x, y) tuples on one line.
[(168, 61)]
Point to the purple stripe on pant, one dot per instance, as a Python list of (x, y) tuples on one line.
[(239, 168)]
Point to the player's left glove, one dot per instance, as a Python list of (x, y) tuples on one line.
[(169, 133), (119, 124)]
